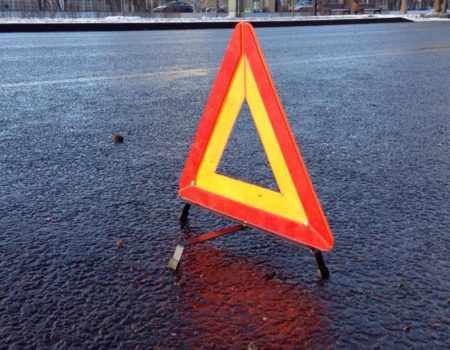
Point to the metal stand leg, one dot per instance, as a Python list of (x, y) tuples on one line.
[(185, 212), (322, 268), (176, 258)]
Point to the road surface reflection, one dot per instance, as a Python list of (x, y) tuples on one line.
[(232, 301)]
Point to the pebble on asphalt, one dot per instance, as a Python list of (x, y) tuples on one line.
[(117, 138)]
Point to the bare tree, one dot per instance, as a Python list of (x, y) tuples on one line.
[(403, 6), (437, 6)]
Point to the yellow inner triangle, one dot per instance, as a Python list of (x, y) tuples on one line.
[(284, 203)]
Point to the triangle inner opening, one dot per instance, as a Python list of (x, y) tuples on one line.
[(244, 157)]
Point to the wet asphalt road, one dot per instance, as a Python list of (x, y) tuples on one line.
[(369, 106)]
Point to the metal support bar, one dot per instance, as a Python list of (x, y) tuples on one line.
[(176, 258), (213, 234), (185, 212), (322, 268)]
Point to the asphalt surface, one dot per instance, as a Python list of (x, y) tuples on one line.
[(87, 226)]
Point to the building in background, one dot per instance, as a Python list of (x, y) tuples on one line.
[(146, 6)]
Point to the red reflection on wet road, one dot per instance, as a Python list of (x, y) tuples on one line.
[(232, 302)]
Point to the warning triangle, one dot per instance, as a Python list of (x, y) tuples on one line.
[(294, 212)]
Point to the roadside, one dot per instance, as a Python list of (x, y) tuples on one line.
[(417, 16), (16, 24)]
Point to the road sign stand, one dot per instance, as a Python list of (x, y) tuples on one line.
[(176, 258), (184, 212), (321, 267), (292, 213)]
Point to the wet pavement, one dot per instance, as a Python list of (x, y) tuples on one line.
[(87, 226)]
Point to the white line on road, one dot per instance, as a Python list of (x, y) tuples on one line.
[(437, 49), (184, 73), (177, 74)]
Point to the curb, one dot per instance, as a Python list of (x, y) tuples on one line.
[(83, 27)]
